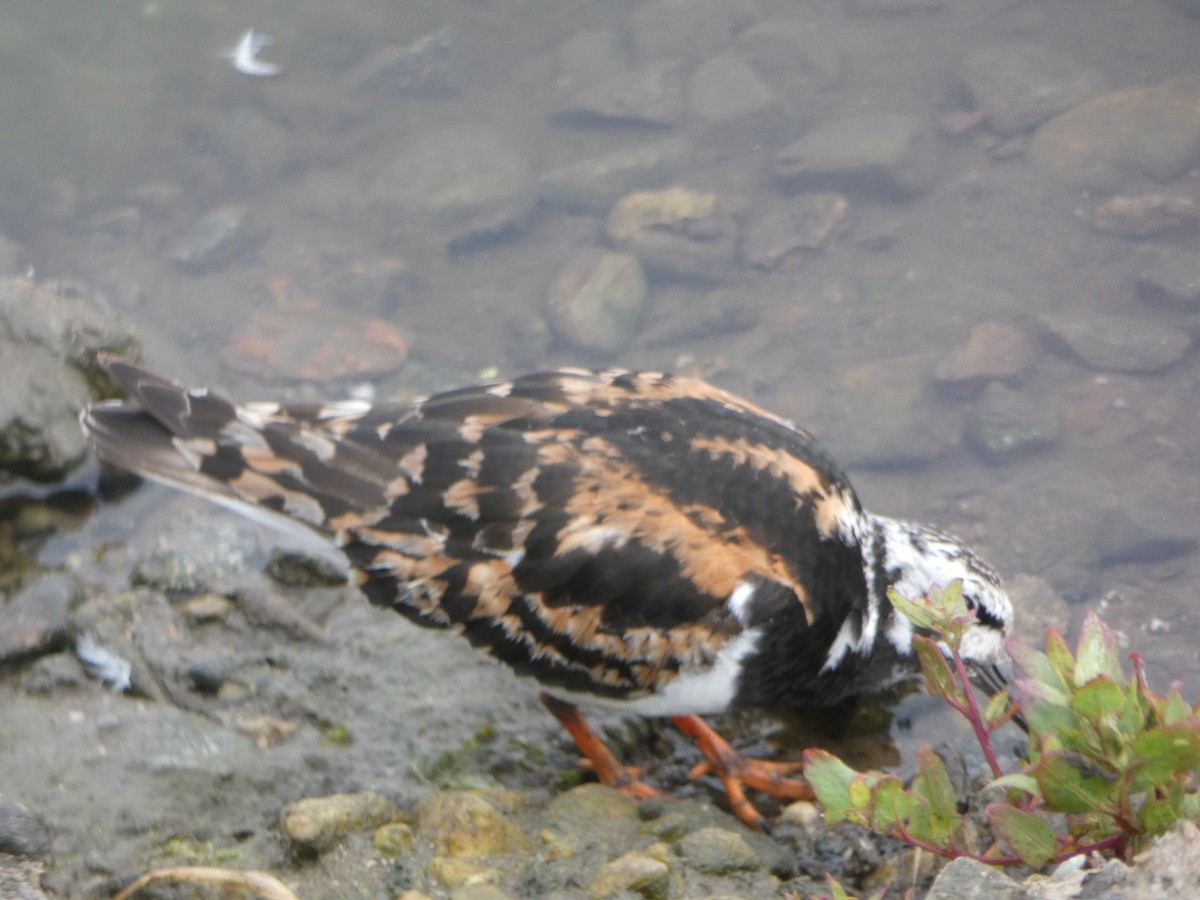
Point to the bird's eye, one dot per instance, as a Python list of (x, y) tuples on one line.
[(987, 617)]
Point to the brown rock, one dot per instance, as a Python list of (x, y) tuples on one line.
[(1145, 215), (315, 824), (992, 350), (675, 233), (1152, 131), (462, 824)]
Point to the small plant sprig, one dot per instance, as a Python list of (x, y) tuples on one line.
[(1110, 761)]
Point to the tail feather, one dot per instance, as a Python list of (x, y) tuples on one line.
[(258, 459)]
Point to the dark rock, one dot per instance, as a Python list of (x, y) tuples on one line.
[(1120, 343), (1005, 424), (886, 155)]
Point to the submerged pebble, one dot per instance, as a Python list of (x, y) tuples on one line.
[(596, 302), (221, 237)]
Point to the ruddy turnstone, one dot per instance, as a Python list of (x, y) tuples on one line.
[(636, 539)]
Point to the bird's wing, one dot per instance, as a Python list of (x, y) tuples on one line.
[(589, 529)]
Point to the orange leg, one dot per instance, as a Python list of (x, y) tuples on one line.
[(607, 767), (738, 772)]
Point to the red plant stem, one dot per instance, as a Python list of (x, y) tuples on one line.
[(973, 716), (1109, 843)]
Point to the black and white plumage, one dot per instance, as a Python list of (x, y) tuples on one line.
[(636, 539)]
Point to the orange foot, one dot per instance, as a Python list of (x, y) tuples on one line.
[(599, 758), (738, 772)]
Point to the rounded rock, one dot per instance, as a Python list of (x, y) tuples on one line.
[(991, 350), (461, 824), (717, 851), (596, 302), (315, 824), (635, 873), (675, 233)]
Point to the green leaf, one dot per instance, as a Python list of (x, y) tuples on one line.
[(1175, 709), (939, 679), (1050, 719), (1017, 781), (1165, 753), (919, 612), (830, 779), (1072, 784), (1157, 816), (922, 825), (890, 803), (1058, 655), (1099, 699), (1098, 651), (1030, 837), (997, 707), (933, 785), (949, 601), (839, 892), (859, 790), (1043, 681)]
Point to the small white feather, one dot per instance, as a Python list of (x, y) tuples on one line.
[(104, 664)]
